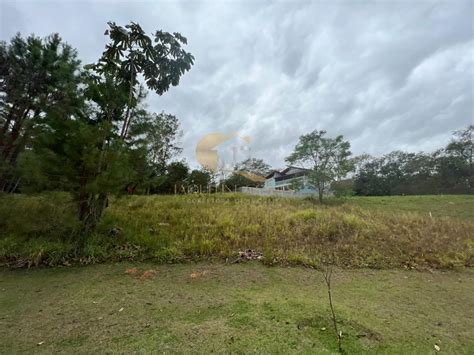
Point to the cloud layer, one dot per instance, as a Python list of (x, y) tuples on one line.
[(387, 75)]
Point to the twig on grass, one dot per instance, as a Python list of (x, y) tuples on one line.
[(327, 278)]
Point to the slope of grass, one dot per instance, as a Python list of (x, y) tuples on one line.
[(245, 308), (37, 230)]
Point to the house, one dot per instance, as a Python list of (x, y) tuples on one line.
[(290, 178)]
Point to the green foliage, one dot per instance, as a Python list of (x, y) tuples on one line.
[(92, 137), (343, 188), (176, 177), (37, 77), (250, 172), (238, 180), (199, 178), (296, 184), (448, 170), (328, 158), (154, 144), (161, 61), (254, 166)]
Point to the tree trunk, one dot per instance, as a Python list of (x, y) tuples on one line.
[(320, 192), (91, 208), (4, 129), (126, 122), (11, 150), (14, 135)]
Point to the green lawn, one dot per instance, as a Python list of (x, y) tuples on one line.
[(454, 206), (383, 304), (241, 308)]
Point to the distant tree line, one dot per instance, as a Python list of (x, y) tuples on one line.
[(448, 170), (333, 168)]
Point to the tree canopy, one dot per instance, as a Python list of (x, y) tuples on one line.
[(447, 170), (327, 158), (86, 130)]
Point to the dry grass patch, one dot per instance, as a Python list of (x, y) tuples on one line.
[(197, 227)]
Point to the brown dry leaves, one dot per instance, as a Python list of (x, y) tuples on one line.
[(198, 274), (146, 275)]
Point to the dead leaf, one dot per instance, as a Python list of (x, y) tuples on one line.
[(148, 274), (133, 271), (196, 274)]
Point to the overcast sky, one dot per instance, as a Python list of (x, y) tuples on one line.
[(386, 74)]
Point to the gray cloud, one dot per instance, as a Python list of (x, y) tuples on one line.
[(387, 75)]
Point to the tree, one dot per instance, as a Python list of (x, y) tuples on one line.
[(237, 179), (153, 139), (462, 146), (447, 170), (254, 166), (199, 178), (176, 176), (131, 52), (81, 153), (91, 151), (36, 76), (328, 158), (250, 172)]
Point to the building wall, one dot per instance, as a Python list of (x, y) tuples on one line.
[(273, 192), (303, 180), (270, 183), (285, 185)]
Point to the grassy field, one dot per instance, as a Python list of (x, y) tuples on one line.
[(453, 206), (382, 232), (244, 308), (383, 305)]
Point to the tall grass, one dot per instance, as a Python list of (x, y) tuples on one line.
[(41, 230)]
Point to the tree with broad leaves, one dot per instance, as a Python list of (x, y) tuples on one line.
[(161, 61), (328, 158)]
